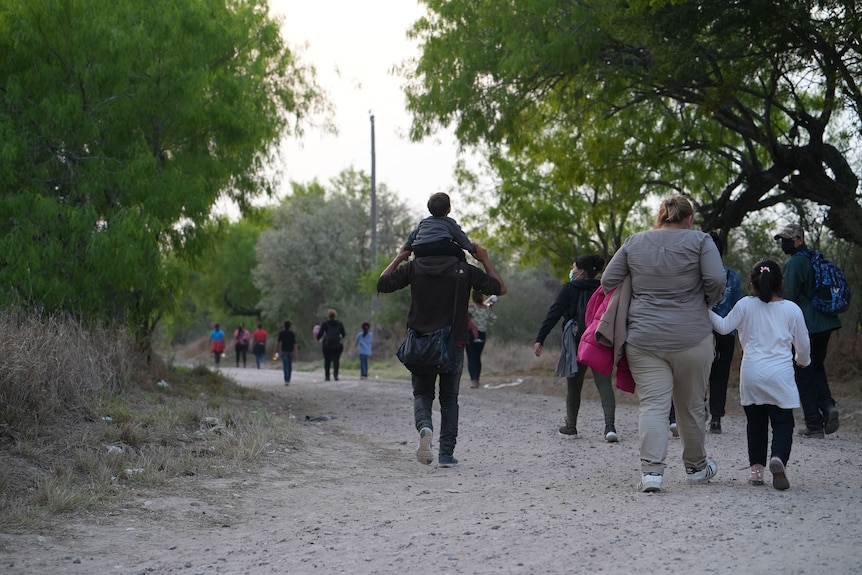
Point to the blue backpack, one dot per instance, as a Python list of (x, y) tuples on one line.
[(831, 290)]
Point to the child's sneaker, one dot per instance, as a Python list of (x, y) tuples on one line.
[(779, 475), (756, 475), (674, 430), (611, 433)]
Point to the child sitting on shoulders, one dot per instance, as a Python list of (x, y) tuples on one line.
[(438, 234)]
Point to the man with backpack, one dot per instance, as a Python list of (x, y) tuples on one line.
[(331, 332), (800, 286)]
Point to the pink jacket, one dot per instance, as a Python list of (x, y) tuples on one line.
[(602, 345)]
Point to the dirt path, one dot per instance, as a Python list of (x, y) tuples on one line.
[(353, 499)]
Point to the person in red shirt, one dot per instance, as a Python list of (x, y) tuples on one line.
[(259, 338)]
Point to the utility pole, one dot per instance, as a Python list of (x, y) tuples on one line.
[(373, 217)]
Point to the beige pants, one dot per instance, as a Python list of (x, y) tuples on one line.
[(681, 376)]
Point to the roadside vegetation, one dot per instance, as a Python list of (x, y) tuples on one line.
[(86, 421)]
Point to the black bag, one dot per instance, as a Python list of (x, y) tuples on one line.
[(332, 337), (433, 352), (427, 353)]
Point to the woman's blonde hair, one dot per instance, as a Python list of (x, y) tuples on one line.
[(673, 209), (331, 314)]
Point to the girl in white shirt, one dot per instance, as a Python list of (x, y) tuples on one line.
[(770, 329)]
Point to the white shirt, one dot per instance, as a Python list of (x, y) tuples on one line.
[(766, 333)]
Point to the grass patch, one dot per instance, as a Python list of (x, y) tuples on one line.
[(97, 434)]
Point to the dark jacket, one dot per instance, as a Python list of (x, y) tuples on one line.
[(433, 301), (571, 303), (334, 325)]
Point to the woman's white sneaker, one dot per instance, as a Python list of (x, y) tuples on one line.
[(693, 476), (650, 482)]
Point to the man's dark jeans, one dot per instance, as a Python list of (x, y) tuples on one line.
[(811, 382), (287, 364), (423, 398), (720, 373)]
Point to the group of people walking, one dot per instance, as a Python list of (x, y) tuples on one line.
[(681, 309), (331, 333), (677, 314), (242, 340)]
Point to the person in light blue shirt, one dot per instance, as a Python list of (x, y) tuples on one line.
[(363, 342)]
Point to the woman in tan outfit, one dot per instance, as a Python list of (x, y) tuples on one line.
[(677, 276)]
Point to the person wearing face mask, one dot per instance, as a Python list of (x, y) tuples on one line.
[(571, 305), (818, 407)]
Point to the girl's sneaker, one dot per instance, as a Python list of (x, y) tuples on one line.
[(779, 475), (756, 475), (611, 433)]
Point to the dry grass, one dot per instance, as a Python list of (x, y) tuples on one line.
[(86, 420)]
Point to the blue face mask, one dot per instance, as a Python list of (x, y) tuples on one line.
[(571, 275)]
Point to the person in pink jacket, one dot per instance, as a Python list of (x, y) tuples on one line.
[(571, 305)]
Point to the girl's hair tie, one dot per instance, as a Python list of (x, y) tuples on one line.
[(764, 269)]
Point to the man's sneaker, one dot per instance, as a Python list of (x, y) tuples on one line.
[(674, 429), (715, 425), (811, 433), (694, 476), (831, 425), (568, 431), (424, 454), (779, 476), (650, 482), (611, 433), (444, 460)]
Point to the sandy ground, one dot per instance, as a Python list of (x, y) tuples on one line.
[(351, 498)]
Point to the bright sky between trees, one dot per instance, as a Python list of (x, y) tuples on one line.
[(354, 47)]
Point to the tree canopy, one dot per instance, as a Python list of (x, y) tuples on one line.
[(122, 124), (743, 105), (319, 246)]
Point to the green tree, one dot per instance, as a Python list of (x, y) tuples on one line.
[(319, 246), (562, 193), (122, 124), (745, 105), (226, 283)]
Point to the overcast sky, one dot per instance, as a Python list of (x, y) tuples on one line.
[(354, 46)]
